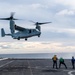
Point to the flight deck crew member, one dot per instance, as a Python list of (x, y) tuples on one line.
[(61, 61), (73, 60), (55, 61)]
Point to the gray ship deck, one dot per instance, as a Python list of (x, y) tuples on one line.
[(33, 67)]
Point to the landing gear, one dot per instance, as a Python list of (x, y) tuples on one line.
[(38, 35), (25, 39), (18, 38)]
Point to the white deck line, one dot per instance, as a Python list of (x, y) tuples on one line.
[(30, 68), (70, 72), (6, 63), (3, 59)]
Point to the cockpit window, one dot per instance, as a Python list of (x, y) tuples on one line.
[(29, 31)]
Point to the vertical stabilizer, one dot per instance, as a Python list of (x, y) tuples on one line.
[(2, 32)]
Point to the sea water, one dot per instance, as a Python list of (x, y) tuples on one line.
[(38, 55)]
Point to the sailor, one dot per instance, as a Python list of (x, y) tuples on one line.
[(73, 60), (55, 61), (61, 61)]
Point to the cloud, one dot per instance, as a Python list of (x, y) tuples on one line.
[(66, 3), (61, 29), (36, 47), (66, 12)]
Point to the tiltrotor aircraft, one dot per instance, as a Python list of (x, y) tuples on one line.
[(21, 32)]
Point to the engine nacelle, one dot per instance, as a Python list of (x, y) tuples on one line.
[(38, 27)]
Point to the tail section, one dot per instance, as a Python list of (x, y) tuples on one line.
[(2, 32)]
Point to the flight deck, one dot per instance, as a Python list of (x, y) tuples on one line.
[(33, 67)]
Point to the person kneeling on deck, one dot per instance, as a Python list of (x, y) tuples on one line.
[(61, 61)]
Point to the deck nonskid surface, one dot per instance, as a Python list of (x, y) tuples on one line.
[(33, 67)]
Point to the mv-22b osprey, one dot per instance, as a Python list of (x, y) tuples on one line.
[(21, 32)]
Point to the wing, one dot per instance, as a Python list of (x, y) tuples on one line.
[(19, 28)]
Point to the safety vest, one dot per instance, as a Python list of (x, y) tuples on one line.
[(54, 58), (61, 60)]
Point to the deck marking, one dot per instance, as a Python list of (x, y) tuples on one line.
[(30, 68), (6, 63), (70, 72), (3, 59)]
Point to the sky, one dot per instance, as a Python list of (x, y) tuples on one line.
[(58, 36)]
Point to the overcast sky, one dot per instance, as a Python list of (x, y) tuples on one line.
[(59, 36)]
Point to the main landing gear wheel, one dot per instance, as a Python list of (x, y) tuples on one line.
[(19, 38), (26, 39), (38, 35)]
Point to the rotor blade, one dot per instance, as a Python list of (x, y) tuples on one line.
[(32, 21), (12, 14), (8, 19), (15, 19), (37, 23), (4, 18)]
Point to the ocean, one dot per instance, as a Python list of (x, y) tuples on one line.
[(38, 55)]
